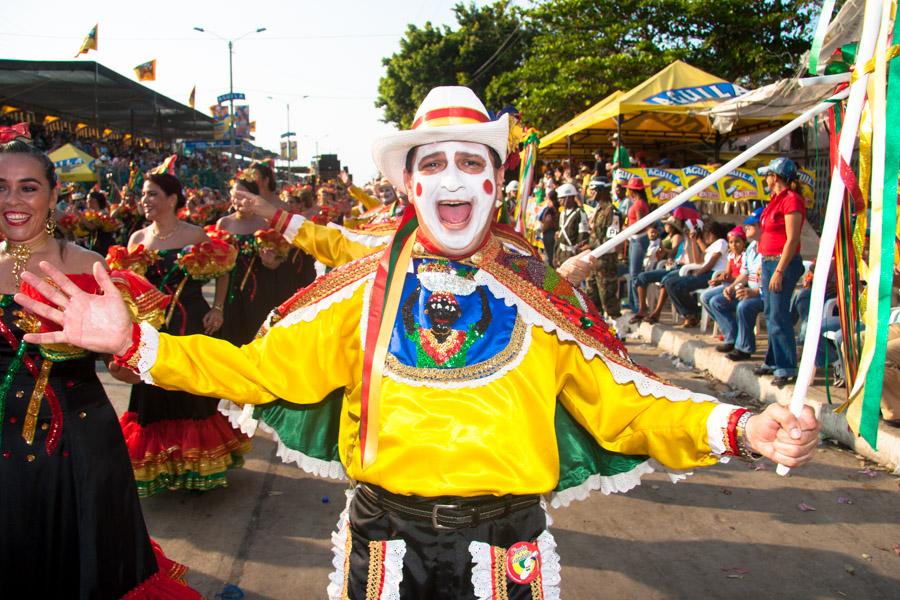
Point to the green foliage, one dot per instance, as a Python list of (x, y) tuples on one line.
[(487, 42), (556, 58)]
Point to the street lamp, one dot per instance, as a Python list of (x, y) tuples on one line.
[(288, 134), (230, 80)]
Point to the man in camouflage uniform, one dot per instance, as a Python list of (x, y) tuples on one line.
[(573, 233), (604, 223)]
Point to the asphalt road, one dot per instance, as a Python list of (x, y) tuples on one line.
[(729, 531)]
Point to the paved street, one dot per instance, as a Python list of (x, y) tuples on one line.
[(727, 532)]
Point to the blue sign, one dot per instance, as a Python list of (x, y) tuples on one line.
[(693, 95), (232, 96), (288, 134)]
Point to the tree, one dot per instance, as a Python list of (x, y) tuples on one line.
[(488, 41)]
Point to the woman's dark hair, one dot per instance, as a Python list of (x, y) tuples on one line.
[(100, 198), (718, 230), (248, 185), (169, 185), (641, 193), (495, 158), (22, 147), (554, 198), (266, 171)]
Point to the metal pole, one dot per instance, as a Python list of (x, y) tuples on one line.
[(231, 103), (289, 142)]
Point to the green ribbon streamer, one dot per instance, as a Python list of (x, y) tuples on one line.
[(8, 378), (819, 38), (871, 408)]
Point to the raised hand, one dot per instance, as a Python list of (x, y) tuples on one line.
[(99, 323), (780, 436), (253, 203)]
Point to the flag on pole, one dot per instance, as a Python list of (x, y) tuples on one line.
[(146, 71), (193, 97), (526, 180), (89, 43)]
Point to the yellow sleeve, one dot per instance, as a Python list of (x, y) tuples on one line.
[(301, 362), (621, 419), (328, 245), (363, 198)]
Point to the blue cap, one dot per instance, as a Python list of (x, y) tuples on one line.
[(781, 166), (753, 219)]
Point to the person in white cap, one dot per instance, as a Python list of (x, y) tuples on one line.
[(574, 232), (454, 378)]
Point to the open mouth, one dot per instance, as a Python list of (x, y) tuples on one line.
[(454, 214), (16, 219)]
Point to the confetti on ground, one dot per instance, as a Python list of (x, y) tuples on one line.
[(897, 549), (325, 499), (844, 500), (805, 507), (275, 493), (850, 569), (868, 472), (866, 556), (727, 492)]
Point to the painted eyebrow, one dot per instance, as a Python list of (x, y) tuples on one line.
[(26, 180), (433, 155), (469, 155)]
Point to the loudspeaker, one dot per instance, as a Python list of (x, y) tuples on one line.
[(328, 163)]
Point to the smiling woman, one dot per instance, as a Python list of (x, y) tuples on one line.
[(70, 516)]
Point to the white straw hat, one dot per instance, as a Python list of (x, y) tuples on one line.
[(447, 114)]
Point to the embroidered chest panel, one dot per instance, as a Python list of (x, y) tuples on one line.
[(452, 330)]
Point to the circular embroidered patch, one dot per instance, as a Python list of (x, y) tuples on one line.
[(523, 562)]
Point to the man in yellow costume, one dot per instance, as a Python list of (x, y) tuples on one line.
[(454, 378)]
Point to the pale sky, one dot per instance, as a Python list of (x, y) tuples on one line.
[(328, 51)]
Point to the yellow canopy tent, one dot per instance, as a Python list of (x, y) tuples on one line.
[(73, 165), (662, 110)]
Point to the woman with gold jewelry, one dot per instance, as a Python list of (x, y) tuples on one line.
[(178, 440), (70, 518)]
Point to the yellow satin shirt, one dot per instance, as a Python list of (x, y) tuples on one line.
[(497, 438), (329, 245)]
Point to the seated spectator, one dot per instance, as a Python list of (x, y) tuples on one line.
[(696, 276), (737, 243), (736, 308), (675, 257)]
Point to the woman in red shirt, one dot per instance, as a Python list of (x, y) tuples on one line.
[(782, 267)]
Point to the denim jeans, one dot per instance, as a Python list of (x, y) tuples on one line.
[(737, 320), (708, 295), (782, 354), (637, 249), (680, 288), (647, 277)]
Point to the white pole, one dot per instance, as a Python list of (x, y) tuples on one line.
[(713, 177), (849, 131)]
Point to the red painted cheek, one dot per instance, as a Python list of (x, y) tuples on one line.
[(488, 186), (419, 190)]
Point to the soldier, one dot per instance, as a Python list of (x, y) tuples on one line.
[(573, 231), (604, 224)]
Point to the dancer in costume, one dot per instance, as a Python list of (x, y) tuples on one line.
[(263, 276), (70, 517), (471, 380), (177, 439)]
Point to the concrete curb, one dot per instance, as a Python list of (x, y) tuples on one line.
[(739, 375)]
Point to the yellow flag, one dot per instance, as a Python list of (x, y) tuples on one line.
[(146, 71), (193, 97), (90, 42)]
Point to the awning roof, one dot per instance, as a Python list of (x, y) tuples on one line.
[(665, 107), (88, 92)]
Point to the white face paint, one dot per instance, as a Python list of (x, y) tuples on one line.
[(453, 189)]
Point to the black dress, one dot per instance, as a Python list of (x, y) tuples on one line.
[(70, 519), (251, 296), (175, 439)]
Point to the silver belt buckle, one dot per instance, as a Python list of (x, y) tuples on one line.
[(434, 515)]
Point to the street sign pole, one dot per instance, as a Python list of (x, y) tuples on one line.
[(231, 103)]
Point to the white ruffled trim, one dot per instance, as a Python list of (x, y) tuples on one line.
[(550, 577), (613, 484), (372, 241), (314, 466), (308, 313), (239, 416), (482, 574), (320, 268), (148, 350), (394, 552), (716, 427), (293, 227), (339, 548), (620, 373)]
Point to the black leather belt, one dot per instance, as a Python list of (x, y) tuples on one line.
[(449, 512)]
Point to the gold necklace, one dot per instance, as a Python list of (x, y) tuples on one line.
[(20, 253), (162, 237)]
